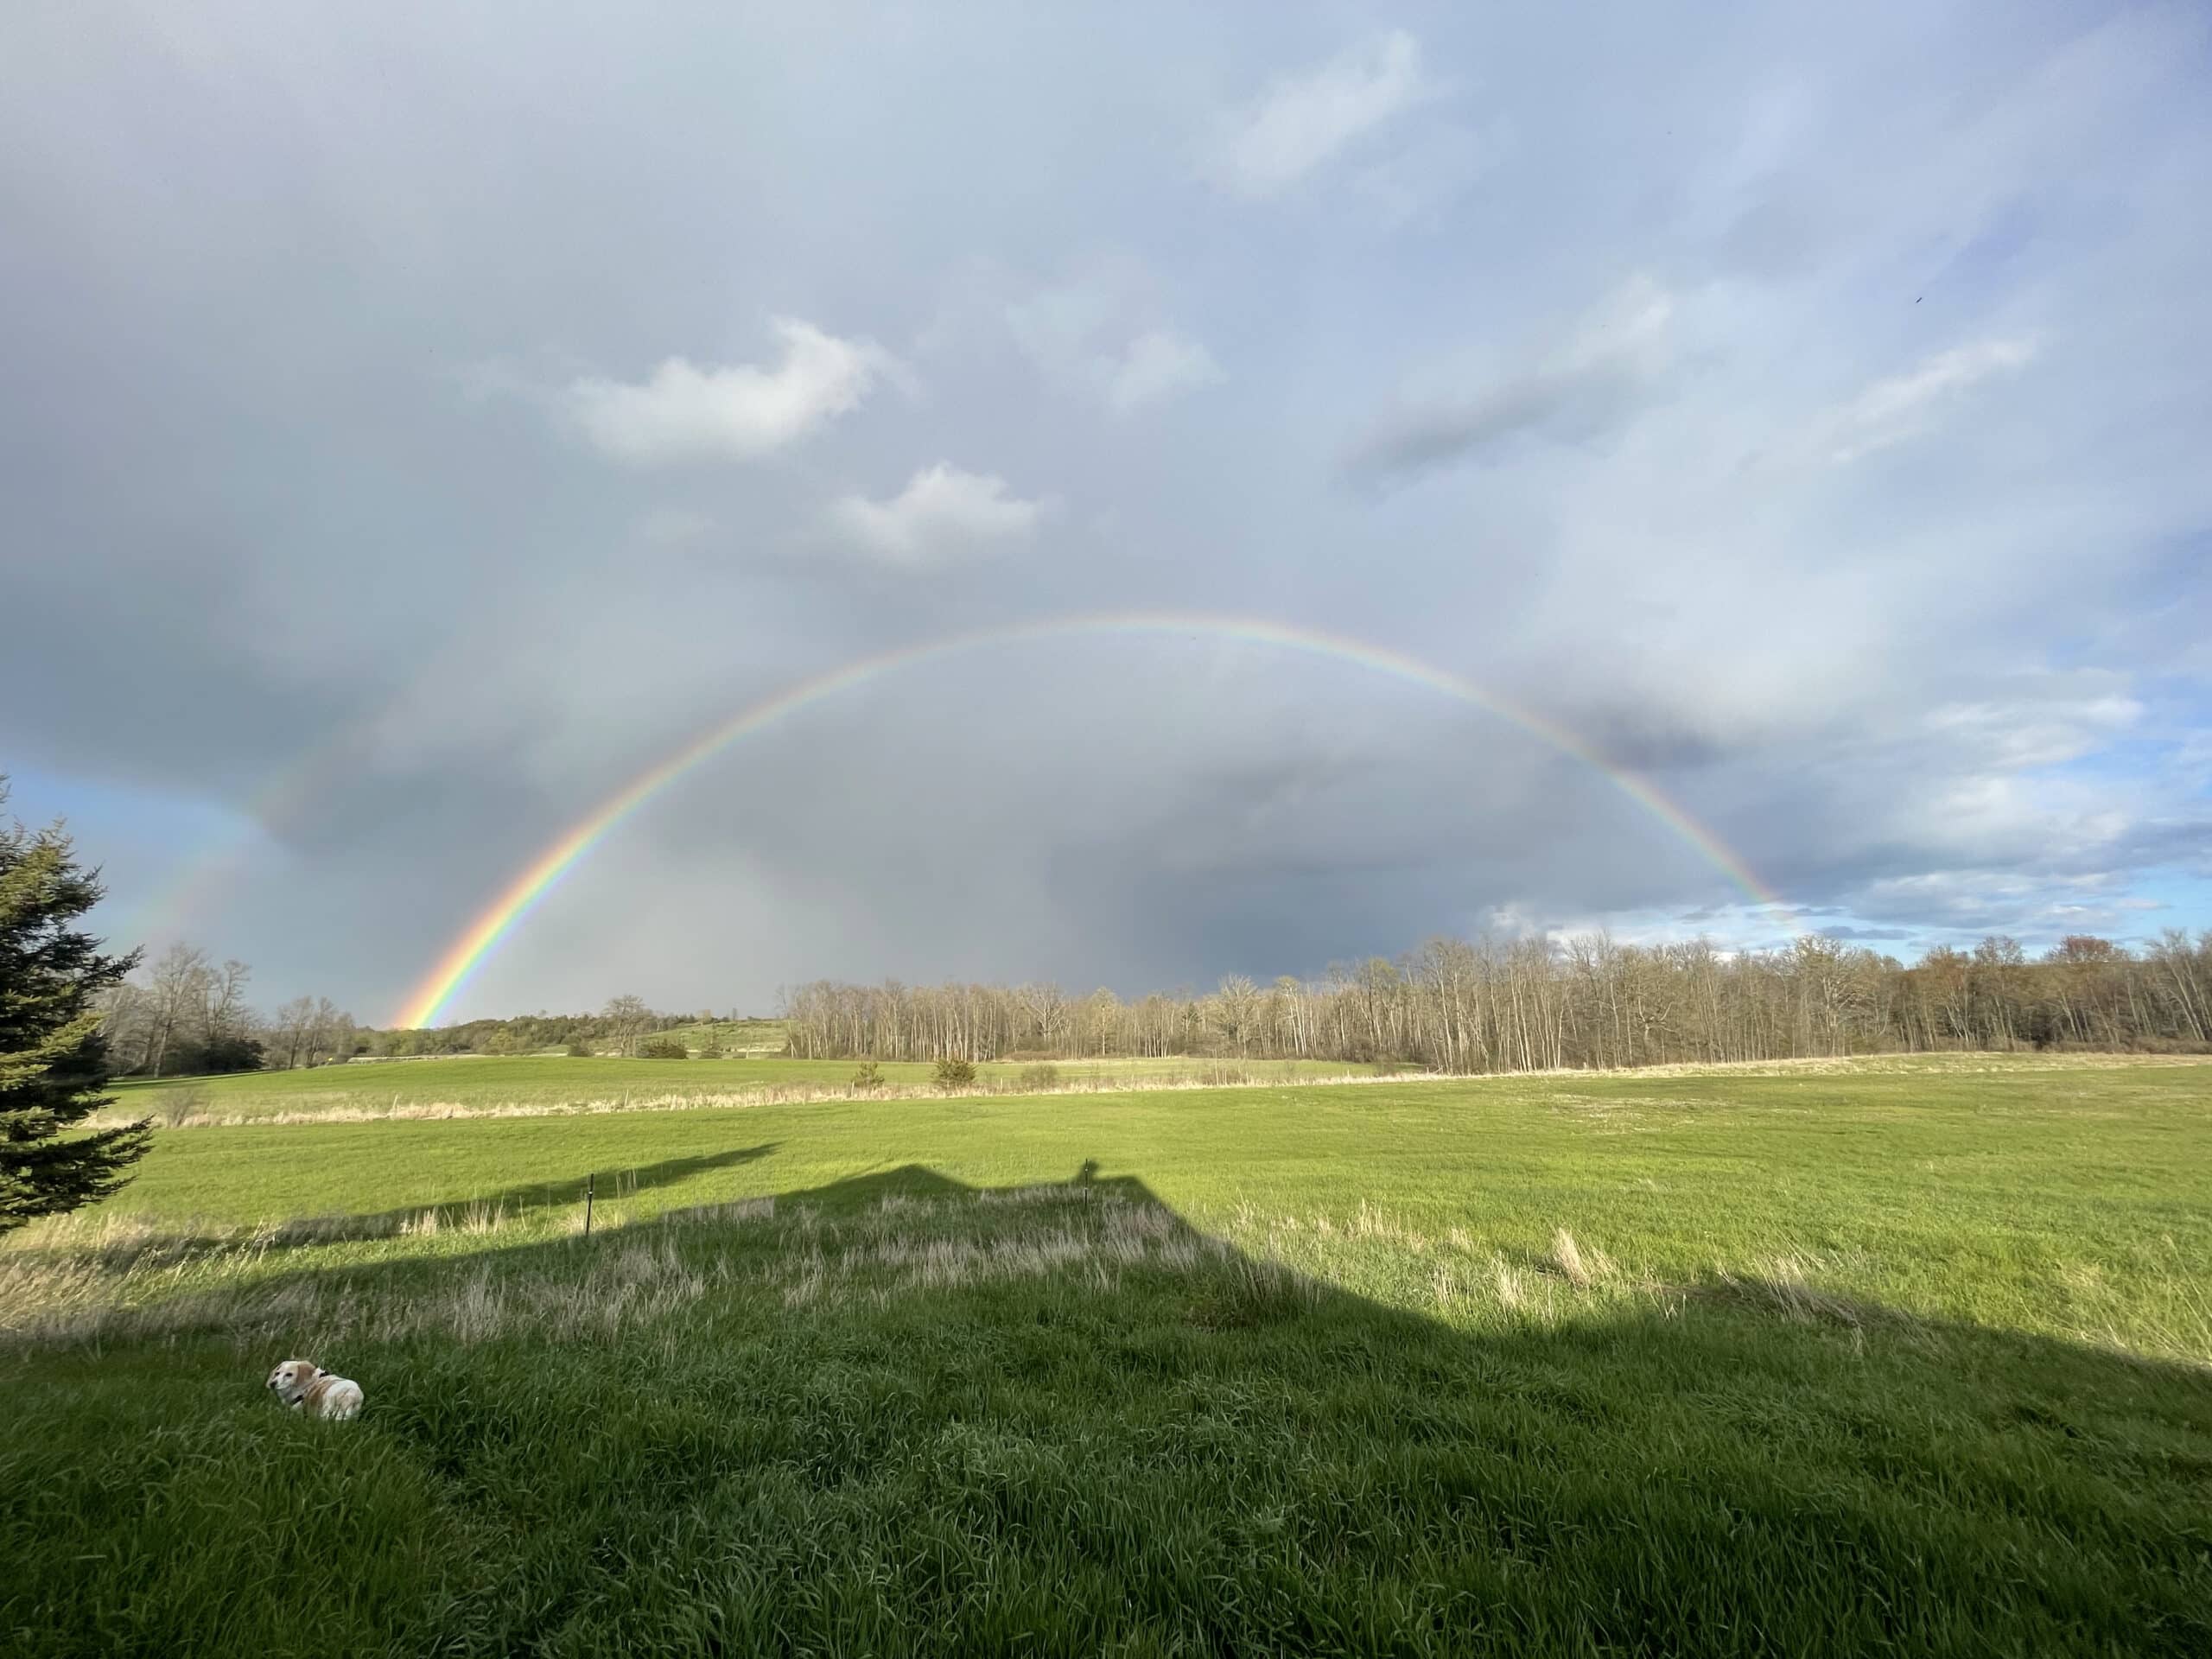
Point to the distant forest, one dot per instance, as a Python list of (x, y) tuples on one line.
[(1491, 1006), (1536, 1003), (187, 1014)]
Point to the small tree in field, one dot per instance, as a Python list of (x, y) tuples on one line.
[(53, 1061), (869, 1078), (954, 1072)]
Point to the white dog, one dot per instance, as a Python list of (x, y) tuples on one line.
[(305, 1386)]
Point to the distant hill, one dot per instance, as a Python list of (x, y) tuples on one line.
[(732, 1037)]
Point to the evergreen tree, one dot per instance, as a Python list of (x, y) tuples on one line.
[(53, 1061)]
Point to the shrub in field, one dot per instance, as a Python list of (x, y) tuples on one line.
[(224, 1054), (1040, 1077), (580, 1051), (662, 1048), (954, 1072), (710, 1050), (869, 1078), (173, 1106)]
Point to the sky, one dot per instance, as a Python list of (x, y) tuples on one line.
[(418, 422)]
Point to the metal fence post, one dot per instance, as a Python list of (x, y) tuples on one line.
[(588, 1181)]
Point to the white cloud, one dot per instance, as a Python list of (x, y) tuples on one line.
[(1593, 383), (740, 412), (1058, 327), (1889, 411), (943, 515), (1981, 900), (1158, 364), (1409, 186), (2026, 732), (1096, 335), (1303, 121), (1628, 326)]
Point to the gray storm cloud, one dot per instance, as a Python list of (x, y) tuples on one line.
[(464, 409)]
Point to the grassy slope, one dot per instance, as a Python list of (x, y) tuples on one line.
[(1832, 1384), (729, 1035), (491, 1083)]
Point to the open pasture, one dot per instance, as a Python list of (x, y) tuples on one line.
[(1908, 1357), (537, 1084)]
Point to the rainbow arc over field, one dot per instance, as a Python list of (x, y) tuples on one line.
[(483, 936)]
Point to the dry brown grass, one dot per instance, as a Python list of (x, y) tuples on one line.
[(197, 1113), (1512, 1284), (1566, 1255), (122, 1280), (201, 1117)]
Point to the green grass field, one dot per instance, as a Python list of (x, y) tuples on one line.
[(1907, 1358), (455, 1087)]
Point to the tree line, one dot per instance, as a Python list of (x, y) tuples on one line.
[(1538, 1003), (189, 1014), (620, 1027), (1454, 1006)]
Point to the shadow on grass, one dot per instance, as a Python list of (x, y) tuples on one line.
[(522, 1202), (898, 1412), (487, 1213)]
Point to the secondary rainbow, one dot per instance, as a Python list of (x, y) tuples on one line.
[(484, 935), (198, 879)]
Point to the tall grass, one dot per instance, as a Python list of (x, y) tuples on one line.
[(535, 1087), (538, 1087)]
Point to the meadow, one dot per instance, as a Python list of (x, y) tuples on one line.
[(1907, 1357), (540, 1084)]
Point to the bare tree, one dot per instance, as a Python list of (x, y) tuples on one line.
[(629, 1019), (1046, 1005), (291, 1031), (331, 1036), (223, 1013), (177, 993), (1235, 1010), (127, 1022)]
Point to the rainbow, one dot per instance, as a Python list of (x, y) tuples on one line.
[(483, 936)]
